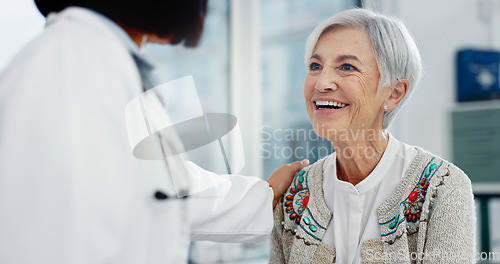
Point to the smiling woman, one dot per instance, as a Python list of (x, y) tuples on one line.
[(375, 200), (343, 70)]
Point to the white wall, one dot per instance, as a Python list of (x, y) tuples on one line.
[(440, 29)]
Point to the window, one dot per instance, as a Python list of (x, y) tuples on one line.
[(287, 133), (208, 64)]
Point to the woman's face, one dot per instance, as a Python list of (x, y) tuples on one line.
[(341, 87)]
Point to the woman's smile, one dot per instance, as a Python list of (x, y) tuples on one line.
[(341, 87), (327, 106)]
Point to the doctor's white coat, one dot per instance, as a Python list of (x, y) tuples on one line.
[(70, 189)]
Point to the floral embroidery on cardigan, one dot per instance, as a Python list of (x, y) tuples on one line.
[(412, 206), (295, 206)]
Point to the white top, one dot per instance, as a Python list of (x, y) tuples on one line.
[(355, 207)]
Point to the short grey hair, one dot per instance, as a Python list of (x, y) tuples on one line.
[(395, 49)]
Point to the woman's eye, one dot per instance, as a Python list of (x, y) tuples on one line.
[(314, 66), (348, 67)]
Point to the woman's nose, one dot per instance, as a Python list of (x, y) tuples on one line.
[(326, 82)]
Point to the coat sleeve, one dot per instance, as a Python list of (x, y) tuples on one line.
[(238, 209), (451, 228)]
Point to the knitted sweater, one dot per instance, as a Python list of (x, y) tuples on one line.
[(430, 218)]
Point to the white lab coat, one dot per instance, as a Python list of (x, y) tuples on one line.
[(70, 189)]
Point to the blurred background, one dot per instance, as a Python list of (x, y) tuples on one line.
[(250, 64)]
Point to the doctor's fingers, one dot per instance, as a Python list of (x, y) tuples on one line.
[(282, 177), (298, 165), (286, 172)]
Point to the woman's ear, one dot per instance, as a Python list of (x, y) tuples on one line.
[(398, 92)]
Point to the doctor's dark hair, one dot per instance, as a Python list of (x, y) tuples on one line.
[(182, 18)]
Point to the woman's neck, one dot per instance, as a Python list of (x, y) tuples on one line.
[(359, 153), (138, 36)]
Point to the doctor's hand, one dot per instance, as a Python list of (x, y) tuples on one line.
[(282, 177)]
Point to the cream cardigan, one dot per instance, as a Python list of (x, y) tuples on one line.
[(430, 218)]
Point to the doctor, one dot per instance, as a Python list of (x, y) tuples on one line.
[(70, 189)]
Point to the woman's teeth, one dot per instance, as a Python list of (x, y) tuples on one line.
[(329, 105)]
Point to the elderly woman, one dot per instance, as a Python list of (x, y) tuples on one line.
[(375, 199)]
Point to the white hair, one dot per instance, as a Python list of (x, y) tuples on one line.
[(395, 49)]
